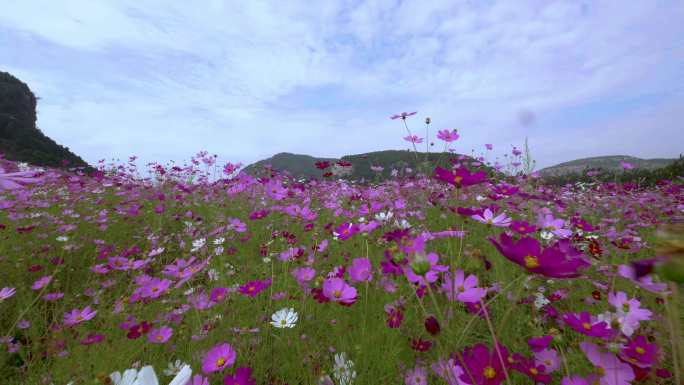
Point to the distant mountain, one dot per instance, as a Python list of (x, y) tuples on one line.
[(20, 139), (303, 166), (607, 163)]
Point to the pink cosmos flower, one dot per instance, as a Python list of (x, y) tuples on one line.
[(611, 371), (584, 324), (76, 316), (489, 146), (537, 373), (41, 282), (303, 274), (161, 335), (416, 376), (17, 180), (346, 231), (626, 166), (463, 289), (539, 344), (413, 139), (448, 136), (361, 270), (424, 269), (336, 290), (7, 292), (253, 288), (403, 115), (449, 371), (155, 288), (92, 338), (218, 294), (242, 376), (461, 177), (488, 218), (629, 313), (198, 379), (548, 358), (554, 225), (218, 358)]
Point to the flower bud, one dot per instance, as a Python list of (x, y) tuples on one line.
[(420, 265), (432, 325), (427, 120)]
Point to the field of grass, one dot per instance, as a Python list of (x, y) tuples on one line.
[(111, 272)]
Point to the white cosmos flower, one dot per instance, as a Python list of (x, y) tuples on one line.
[(343, 371), (174, 368), (198, 244), (147, 376), (219, 241), (404, 224), (284, 318), (384, 217), (546, 235)]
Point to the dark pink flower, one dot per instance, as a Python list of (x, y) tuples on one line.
[(639, 352), (218, 358), (584, 324), (483, 367), (361, 270), (462, 177), (253, 288), (242, 376)]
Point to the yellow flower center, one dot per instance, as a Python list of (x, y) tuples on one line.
[(458, 179), (531, 262), (625, 307), (489, 372), (79, 318), (640, 350), (160, 337), (534, 371), (220, 362), (600, 371), (283, 322), (337, 294), (586, 325)]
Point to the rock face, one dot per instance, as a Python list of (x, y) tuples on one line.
[(20, 139)]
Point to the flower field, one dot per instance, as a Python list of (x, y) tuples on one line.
[(457, 275)]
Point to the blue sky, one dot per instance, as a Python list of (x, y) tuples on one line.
[(247, 79)]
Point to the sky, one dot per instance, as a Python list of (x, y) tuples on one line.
[(245, 80)]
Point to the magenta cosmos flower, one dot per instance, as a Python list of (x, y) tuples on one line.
[(463, 289), (561, 260), (639, 352), (336, 290), (416, 376), (242, 376), (41, 282), (448, 136), (403, 115), (161, 335), (76, 316), (361, 270), (584, 324), (253, 288), (610, 370), (487, 217), (461, 177), (346, 231), (482, 367), (218, 358), (424, 269)]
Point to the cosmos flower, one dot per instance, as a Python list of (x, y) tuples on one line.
[(160, 335), (242, 376), (462, 288), (610, 370), (7, 292), (361, 270), (461, 177), (583, 323), (448, 371), (413, 139), (448, 136), (253, 288), (482, 367), (560, 260), (76, 316), (41, 282), (336, 290), (488, 218), (345, 231), (218, 358), (343, 370), (403, 115), (628, 311), (639, 352), (284, 318), (416, 376)]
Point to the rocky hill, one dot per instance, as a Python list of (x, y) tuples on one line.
[(20, 139)]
